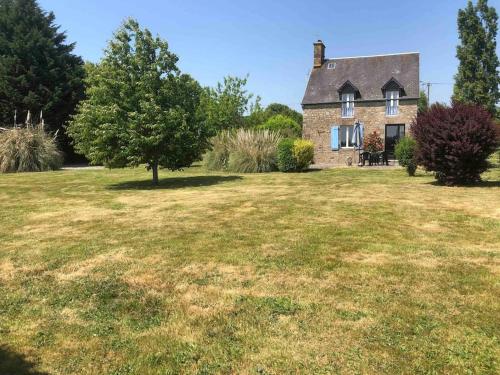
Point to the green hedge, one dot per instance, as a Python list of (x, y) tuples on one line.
[(286, 160), (303, 152), (405, 153), (295, 155)]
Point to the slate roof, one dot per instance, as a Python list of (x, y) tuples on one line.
[(368, 74)]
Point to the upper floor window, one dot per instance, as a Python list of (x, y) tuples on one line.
[(348, 105), (392, 103)]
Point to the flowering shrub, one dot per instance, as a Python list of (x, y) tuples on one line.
[(373, 142), (455, 142)]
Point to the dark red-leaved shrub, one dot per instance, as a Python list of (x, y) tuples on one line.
[(455, 142)]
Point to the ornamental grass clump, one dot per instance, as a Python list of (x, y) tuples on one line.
[(217, 159), (253, 151), (28, 149), (455, 142)]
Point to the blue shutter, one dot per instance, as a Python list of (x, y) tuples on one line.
[(335, 138)]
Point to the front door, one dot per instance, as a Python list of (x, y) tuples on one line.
[(393, 133)]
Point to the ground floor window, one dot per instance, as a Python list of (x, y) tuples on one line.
[(346, 132), (393, 133)]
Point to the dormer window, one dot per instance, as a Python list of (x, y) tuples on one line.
[(348, 105), (348, 93), (392, 91), (392, 102)]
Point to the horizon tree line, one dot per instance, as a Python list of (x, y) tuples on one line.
[(39, 72)]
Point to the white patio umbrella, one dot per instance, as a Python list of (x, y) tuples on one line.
[(357, 137)]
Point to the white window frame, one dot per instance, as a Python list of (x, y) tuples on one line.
[(348, 105), (392, 103), (348, 135)]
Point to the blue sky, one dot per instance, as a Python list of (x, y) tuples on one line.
[(272, 40)]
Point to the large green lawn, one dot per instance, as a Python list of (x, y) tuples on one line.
[(338, 271)]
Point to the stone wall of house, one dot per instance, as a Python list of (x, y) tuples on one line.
[(319, 119)]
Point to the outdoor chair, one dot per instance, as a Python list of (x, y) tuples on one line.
[(384, 158), (364, 157), (374, 158)]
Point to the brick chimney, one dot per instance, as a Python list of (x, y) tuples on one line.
[(319, 54)]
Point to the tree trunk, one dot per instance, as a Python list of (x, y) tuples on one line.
[(154, 167)]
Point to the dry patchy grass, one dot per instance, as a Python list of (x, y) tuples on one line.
[(339, 271)]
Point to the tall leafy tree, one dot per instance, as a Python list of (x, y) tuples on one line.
[(139, 109), (226, 104), (477, 79), (38, 70)]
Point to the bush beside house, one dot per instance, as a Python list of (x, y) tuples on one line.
[(303, 152), (405, 153), (455, 142), (295, 155), (286, 160)]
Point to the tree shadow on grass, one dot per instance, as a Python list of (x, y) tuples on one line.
[(481, 184), (12, 363), (174, 183), (311, 170)]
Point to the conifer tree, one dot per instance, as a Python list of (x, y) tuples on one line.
[(477, 79), (38, 70)]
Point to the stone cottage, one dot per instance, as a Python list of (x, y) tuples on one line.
[(379, 91)]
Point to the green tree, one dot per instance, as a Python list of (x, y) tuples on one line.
[(274, 109), (38, 71), (287, 126), (139, 108), (477, 79), (423, 102), (225, 105), (257, 114)]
